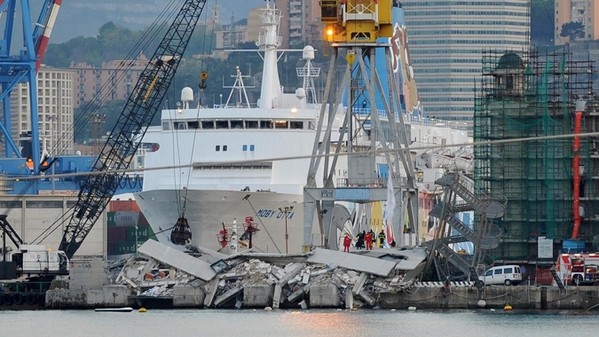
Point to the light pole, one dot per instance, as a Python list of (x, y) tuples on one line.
[(286, 211)]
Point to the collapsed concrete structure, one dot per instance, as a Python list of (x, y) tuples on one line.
[(164, 276), (387, 278)]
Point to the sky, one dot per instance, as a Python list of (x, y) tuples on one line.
[(85, 17)]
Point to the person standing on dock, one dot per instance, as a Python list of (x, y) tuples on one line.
[(373, 238), (346, 243), (382, 238), (368, 240), (360, 241)]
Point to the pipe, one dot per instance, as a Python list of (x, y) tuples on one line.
[(580, 107)]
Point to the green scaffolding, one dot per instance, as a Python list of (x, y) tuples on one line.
[(522, 96)]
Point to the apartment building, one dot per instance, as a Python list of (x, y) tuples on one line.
[(446, 43), (111, 81), (55, 109), (583, 11), (300, 22)]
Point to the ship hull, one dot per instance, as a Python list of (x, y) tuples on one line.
[(207, 211)]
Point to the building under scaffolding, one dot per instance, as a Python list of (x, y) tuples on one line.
[(528, 95)]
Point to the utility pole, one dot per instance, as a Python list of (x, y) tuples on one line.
[(286, 211)]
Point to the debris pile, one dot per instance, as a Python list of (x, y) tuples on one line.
[(278, 281), (148, 277)]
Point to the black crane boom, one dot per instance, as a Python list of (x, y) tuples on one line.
[(139, 110)]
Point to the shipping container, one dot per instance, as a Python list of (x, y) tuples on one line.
[(126, 218), (121, 247), (123, 206), (110, 219), (116, 233)]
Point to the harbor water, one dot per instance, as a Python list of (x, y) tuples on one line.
[(292, 323)]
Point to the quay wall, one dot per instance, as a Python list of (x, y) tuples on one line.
[(519, 297), (423, 297)]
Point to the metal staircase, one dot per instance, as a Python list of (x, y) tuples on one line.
[(557, 279), (491, 208), (485, 236), (485, 242)]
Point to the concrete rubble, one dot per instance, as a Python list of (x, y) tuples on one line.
[(164, 276), (384, 278), (321, 278)]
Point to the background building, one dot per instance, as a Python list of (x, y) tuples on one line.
[(55, 109), (300, 25), (585, 12), (229, 36), (113, 80), (446, 42), (300, 22)]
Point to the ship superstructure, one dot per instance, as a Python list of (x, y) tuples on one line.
[(244, 164)]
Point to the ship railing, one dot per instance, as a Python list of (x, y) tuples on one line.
[(365, 111), (426, 121), (369, 182), (234, 105)]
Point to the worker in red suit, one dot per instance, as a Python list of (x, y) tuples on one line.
[(346, 243), (368, 240)]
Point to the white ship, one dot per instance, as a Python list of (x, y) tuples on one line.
[(246, 163)]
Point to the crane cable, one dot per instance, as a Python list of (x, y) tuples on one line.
[(148, 35), (102, 96), (202, 87), (89, 106)]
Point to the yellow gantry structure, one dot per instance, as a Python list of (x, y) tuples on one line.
[(356, 21)]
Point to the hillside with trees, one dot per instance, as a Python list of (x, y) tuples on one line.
[(115, 42)]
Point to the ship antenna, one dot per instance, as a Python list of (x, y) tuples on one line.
[(240, 87), (308, 73)]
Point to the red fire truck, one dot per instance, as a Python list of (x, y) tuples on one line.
[(578, 269)]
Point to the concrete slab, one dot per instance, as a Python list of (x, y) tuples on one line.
[(228, 295), (358, 285), (88, 274), (276, 299), (211, 288), (406, 259), (324, 296), (349, 299), (352, 261), (366, 297), (257, 296), (188, 297), (290, 272), (177, 259), (116, 295)]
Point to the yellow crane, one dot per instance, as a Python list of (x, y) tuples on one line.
[(356, 21)]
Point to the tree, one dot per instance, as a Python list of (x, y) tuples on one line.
[(572, 30)]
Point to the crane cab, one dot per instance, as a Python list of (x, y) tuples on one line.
[(356, 21)]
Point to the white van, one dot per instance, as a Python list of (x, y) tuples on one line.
[(508, 275)]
